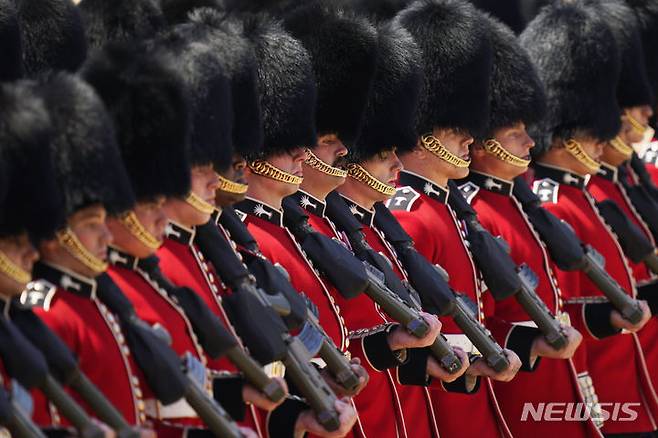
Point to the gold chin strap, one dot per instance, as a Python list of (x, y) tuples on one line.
[(620, 146), (263, 168), (13, 271), (316, 163), (360, 174), (433, 145), (135, 227), (637, 126), (199, 204), (577, 151), (494, 148), (73, 246), (228, 186)]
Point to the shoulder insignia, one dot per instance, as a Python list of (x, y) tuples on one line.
[(240, 214), (469, 191), (38, 294), (403, 199), (650, 155), (547, 190)]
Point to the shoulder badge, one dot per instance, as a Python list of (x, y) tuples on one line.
[(469, 191), (650, 155), (403, 199), (241, 214), (38, 294), (546, 189)]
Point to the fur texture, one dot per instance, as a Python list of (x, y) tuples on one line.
[(286, 85), (391, 112), (148, 104), (378, 10), (577, 58), (343, 51), (53, 36), (457, 58), (11, 46), (647, 15)]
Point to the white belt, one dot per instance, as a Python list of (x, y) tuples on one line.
[(562, 317), (462, 341), (526, 324), (180, 409)]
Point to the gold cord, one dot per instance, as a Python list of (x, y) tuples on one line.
[(620, 146), (228, 186), (494, 148), (637, 126), (360, 174), (263, 168), (135, 227), (73, 246), (433, 145), (13, 271), (316, 163), (577, 151), (195, 201)]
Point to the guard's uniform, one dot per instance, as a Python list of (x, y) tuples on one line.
[(650, 158), (421, 208), (554, 380), (564, 194), (67, 303), (183, 263), (417, 405), (378, 404)]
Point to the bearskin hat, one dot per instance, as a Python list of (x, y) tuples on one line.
[(209, 90), (10, 43), (507, 11), (633, 88), (343, 49), (577, 59), (121, 20), (647, 15), (378, 10), (391, 112), (88, 164), (286, 85), (147, 101), (517, 93), (53, 35), (226, 35), (32, 201), (457, 57)]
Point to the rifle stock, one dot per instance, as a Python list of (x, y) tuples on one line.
[(212, 414)]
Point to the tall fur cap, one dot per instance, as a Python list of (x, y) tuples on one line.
[(148, 104), (11, 46), (647, 15), (343, 49), (577, 59), (457, 59), (390, 119)]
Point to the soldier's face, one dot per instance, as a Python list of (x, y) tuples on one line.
[(22, 253), (152, 217), (290, 162), (592, 147), (458, 142), (234, 173), (515, 140), (642, 114), (331, 150), (204, 184), (385, 167)]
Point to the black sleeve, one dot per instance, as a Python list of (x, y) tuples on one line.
[(378, 352), (597, 319), (649, 293), (414, 371), (281, 421), (227, 391), (520, 340)]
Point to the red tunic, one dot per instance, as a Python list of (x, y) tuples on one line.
[(553, 380), (420, 207), (614, 359)]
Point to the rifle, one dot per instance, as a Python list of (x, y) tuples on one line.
[(643, 196), (246, 295), (570, 254), (15, 420), (382, 284), (431, 282), (500, 273)]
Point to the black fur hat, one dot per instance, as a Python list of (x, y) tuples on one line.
[(53, 35), (209, 90), (517, 93), (11, 47), (343, 49), (647, 15), (88, 164), (226, 35), (633, 88), (286, 85), (121, 20), (577, 59), (391, 113), (32, 200), (378, 10), (148, 104), (457, 57)]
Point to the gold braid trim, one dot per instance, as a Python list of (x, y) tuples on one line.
[(620, 146), (263, 168), (199, 204), (433, 145), (135, 227), (316, 163), (73, 246), (637, 126), (360, 174), (13, 271), (494, 148), (228, 186), (577, 151)]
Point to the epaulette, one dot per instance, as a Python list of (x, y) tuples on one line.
[(403, 199), (546, 189), (650, 155), (38, 294), (469, 190)]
